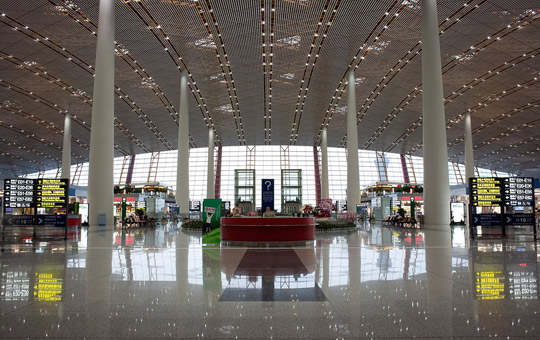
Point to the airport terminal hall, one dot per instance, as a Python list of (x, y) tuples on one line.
[(269, 169)]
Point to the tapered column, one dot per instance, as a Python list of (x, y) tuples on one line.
[(66, 148), (210, 181), (353, 178), (324, 173), (436, 185), (100, 179), (469, 156), (182, 173)]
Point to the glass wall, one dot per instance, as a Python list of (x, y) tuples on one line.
[(268, 161)]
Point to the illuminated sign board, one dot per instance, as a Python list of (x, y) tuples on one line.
[(523, 284), (486, 191), (519, 191), (48, 287), (15, 285), (52, 193), (19, 193), (490, 285)]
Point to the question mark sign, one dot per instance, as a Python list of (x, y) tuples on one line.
[(268, 184)]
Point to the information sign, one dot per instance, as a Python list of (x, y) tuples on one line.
[(523, 285), (486, 220), (194, 205), (518, 191), (15, 284), (48, 286), (267, 188), (52, 193), (19, 193), (52, 220), (18, 219), (519, 219), (490, 285), (486, 191)]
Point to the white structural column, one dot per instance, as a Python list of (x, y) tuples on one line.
[(182, 171), (469, 156), (66, 148), (353, 177), (324, 171), (436, 184), (100, 179), (210, 181)]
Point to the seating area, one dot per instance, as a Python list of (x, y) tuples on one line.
[(135, 221), (399, 221)]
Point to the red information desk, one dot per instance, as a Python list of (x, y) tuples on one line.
[(267, 229)]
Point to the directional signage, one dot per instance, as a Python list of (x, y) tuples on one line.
[(48, 286), (490, 285), (519, 219), (52, 193), (487, 220), (486, 191), (19, 193), (523, 284), (15, 284), (518, 191)]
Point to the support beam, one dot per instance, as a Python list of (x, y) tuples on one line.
[(210, 180), (436, 182), (182, 173), (469, 156), (324, 162), (100, 179), (66, 148), (353, 177), (217, 190)]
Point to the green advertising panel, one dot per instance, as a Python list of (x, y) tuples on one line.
[(212, 268), (212, 211)]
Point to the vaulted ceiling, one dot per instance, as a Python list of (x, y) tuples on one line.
[(270, 72)]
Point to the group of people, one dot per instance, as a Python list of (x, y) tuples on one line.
[(136, 221), (399, 220)]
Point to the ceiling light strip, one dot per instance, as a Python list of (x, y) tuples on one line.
[(223, 60), (312, 57)]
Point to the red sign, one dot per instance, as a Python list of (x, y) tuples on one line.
[(128, 199), (406, 198), (417, 198)]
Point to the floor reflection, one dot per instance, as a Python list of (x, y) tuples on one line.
[(377, 281)]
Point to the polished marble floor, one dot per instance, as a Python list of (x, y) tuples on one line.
[(376, 282)]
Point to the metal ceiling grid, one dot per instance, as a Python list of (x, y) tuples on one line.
[(510, 28), (157, 38), (407, 16), (65, 56), (156, 21)]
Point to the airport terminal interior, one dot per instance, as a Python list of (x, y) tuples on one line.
[(269, 169)]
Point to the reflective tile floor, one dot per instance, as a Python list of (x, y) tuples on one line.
[(376, 282)]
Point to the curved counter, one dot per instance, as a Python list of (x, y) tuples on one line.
[(269, 229)]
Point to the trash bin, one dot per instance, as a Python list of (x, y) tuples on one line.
[(102, 219)]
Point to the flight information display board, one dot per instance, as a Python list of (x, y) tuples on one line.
[(519, 191), (486, 191), (19, 193)]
